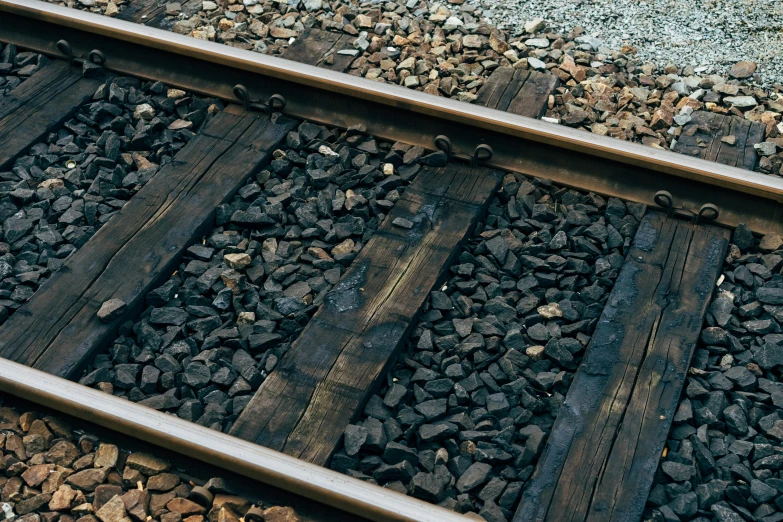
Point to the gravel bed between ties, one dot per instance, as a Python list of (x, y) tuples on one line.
[(725, 452), (465, 412), (219, 325), (68, 185), (55, 472), (16, 66)]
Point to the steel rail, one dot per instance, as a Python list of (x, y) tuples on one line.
[(568, 156), (216, 448)]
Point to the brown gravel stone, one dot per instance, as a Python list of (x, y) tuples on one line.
[(280, 514), (55, 479), (106, 456), (742, 70), (113, 511), (238, 505), (162, 482), (35, 475), (103, 494), (184, 507), (147, 464), (63, 453), (137, 504), (26, 419), (224, 514), (131, 477), (158, 502), (87, 479), (62, 498), (84, 462), (33, 503), (12, 489), (14, 445)]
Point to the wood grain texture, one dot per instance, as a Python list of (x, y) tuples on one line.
[(328, 374), (140, 11), (518, 91), (57, 330), (317, 47), (40, 103), (701, 138), (533, 98), (153, 12), (494, 87), (600, 460)]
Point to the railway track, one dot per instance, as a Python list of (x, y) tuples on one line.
[(473, 307)]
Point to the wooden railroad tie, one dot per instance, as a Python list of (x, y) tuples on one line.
[(324, 380), (600, 460), (726, 139), (56, 330), (40, 103), (153, 13), (321, 48), (518, 91)]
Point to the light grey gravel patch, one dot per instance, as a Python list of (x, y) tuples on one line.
[(712, 35)]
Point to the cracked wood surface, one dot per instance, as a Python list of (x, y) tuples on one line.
[(57, 330), (43, 101), (153, 12), (601, 457), (328, 374), (702, 138), (517, 91), (321, 48)]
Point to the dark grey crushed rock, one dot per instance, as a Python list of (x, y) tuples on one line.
[(724, 453), (466, 411), (213, 332), (16, 66), (68, 185), (56, 471)]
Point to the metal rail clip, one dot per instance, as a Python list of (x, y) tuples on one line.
[(94, 57), (707, 212), (482, 154), (275, 103), (444, 143)]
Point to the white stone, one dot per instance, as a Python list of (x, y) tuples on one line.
[(326, 151), (52, 183), (535, 352), (765, 148), (452, 23), (144, 111), (535, 63), (686, 110), (741, 102), (209, 6), (534, 25), (537, 42), (237, 261), (682, 119), (550, 311)]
